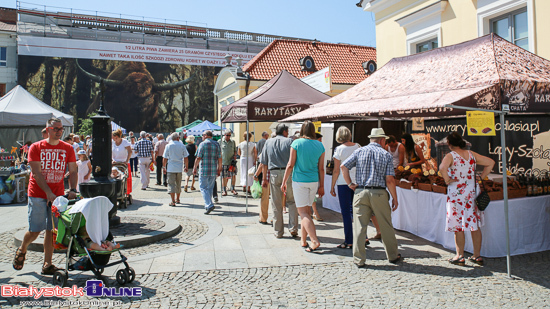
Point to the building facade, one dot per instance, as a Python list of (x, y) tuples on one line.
[(348, 67), (8, 50), (406, 27)]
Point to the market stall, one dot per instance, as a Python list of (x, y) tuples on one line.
[(485, 74), (23, 116), (282, 96)]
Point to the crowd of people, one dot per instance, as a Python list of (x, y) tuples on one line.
[(291, 170)]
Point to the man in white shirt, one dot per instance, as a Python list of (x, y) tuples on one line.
[(173, 158), (397, 150)]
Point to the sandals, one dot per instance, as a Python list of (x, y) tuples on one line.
[(234, 192), (460, 261), (178, 202), (172, 204), (477, 260), (316, 218), (377, 236), (224, 193), (19, 259), (344, 246), (185, 188), (50, 270), (193, 188)]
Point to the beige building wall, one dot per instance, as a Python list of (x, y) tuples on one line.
[(458, 22)]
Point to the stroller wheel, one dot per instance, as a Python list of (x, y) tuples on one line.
[(123, 204), (131, 274), (130, 200), (60, 278), (122, 276)]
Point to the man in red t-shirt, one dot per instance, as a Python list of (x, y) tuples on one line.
[(48, 159)]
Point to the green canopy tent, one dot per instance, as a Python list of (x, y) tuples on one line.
[(189, 126)]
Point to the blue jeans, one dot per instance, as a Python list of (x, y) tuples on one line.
[(345, 196), (206, 185)]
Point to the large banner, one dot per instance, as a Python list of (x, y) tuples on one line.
[(83, 49), (154, 97), (527, 142), (150, 88)]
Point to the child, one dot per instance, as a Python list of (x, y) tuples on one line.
[(104, 246), (84, 168), (115, 173)]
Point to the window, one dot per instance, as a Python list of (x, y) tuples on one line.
[(2, 90), (427, 45), (512, 27), (3, 57)]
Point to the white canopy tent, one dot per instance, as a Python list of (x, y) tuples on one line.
[(23, 116)]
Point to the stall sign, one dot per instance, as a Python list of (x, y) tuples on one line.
[(418, 123), (317, 125), (480, 123)]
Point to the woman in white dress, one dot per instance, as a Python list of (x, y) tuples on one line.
[(122, 152), (84, 168), (248, 160)]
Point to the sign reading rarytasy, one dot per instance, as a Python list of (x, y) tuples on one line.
[(83, 49), (320, 80)]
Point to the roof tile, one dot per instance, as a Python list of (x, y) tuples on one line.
[(344, 60)]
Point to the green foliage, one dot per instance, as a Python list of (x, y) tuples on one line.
[(85, 125)]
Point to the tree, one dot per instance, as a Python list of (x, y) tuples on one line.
[(85, 125)]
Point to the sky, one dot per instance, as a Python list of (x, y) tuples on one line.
[(333, 21)]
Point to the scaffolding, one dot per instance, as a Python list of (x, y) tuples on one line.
[(49, 21)]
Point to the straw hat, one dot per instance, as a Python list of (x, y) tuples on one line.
[(377, 132)]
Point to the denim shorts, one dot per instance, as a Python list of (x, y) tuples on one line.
[(40, 215)]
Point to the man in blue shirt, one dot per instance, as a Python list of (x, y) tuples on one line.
[(209, 158), (374, 174)]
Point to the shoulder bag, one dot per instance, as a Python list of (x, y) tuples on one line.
[(483, 199)]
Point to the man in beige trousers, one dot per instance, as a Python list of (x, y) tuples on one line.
[(374, 174)]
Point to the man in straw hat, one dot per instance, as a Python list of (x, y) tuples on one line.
[(374, 174)]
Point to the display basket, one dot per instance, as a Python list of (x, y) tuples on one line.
[(496, 195), (439, 189), (517, 193), (424, 186), (405, 185)]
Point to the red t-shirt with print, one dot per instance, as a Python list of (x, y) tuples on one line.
[(54, 161)]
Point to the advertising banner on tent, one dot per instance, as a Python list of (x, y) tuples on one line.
[(83, 49), (527, 140)]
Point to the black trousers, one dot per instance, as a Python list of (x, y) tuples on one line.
[(160, 174)]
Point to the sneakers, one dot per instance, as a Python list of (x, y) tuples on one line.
[(215, 199), (209, 210)]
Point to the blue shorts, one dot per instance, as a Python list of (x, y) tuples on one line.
[(40, 215)]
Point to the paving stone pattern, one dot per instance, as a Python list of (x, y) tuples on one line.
[(136, 226), (427, 283), (191, 230)]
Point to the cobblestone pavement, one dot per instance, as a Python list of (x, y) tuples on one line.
[(191, 230), (428, 283), (424, 279)]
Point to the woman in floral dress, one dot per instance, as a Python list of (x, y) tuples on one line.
[(458, 170)]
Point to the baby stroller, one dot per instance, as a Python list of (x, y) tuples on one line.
[(122, 197), (78, 256)]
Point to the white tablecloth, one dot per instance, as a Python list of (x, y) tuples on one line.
[(423, 214)]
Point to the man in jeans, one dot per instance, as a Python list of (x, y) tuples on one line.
[(159, 151), (48, 158), (209, 159), (275, 156), (145, 153)]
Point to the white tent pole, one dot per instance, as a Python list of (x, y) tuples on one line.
[(379, 122), (505, 194), (246, 175), (353, 132)]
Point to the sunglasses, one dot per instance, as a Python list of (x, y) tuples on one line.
[(56, 129), (228, 135)]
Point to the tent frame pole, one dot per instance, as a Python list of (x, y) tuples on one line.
[(246, 175), (501, 113)]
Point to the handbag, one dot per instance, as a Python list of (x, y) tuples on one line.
[(483, 199)]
